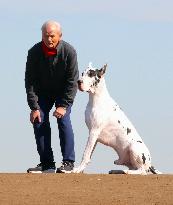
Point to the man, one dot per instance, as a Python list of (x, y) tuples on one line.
[(51, 79)]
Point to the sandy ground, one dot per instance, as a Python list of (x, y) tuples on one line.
[(93, 189)]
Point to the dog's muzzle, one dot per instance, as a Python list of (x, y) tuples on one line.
[(80, 82)]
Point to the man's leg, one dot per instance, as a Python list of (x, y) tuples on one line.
[(66, 137), (42, 132)]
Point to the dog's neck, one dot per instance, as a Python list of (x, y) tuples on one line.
[(100, 92)]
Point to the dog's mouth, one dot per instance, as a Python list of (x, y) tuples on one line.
[(80, 88)]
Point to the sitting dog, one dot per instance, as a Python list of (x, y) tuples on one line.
[(108, 124)]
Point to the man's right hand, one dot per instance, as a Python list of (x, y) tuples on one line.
[(35, 115)]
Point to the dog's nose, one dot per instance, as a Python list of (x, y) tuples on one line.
[(79, 82)]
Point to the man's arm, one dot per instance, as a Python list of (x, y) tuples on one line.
[(72, 76), (30, 80)]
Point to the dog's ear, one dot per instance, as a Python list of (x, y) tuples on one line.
[(90, 65), (102, 70)]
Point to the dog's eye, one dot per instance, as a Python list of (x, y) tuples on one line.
[(82, 74)]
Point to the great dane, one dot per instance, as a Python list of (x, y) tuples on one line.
[(108, 124)]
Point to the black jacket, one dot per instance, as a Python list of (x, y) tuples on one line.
[(51, 76)]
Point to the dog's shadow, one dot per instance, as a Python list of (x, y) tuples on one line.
[(116, 172)]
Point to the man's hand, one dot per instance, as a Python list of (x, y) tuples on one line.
[(59, 112), (35, 115)]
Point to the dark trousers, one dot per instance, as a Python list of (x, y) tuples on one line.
[(42, 133)]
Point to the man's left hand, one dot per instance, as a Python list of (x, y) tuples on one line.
[(59, 112)]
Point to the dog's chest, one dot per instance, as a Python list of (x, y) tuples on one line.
[(98, 113), (92, 117)]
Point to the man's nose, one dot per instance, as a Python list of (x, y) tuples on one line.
[(49, 38)]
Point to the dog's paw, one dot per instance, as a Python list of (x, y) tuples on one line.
[(77, 170), (118, 162)]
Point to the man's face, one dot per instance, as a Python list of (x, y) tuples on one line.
[(51, 36)]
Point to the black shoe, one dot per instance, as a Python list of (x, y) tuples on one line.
[(43, 168), (66, 167)]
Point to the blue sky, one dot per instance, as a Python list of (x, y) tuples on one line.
[(134, 37)]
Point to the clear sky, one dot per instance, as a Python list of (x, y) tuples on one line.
[(134, 37)]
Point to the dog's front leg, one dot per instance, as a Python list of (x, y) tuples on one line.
[(91, 144)]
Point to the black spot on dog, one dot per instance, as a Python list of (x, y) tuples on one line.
[(118, 121), (139, 141), (153, 170), (98, 73), (149, 158), (128, 131), (97, 80), (91, 73), (143, 158)]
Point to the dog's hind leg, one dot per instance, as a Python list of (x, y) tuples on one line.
[(139, 159), (123, 158)]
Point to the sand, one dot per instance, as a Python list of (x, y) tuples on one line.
[(90, 189)]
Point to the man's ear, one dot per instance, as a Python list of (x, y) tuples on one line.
[(102, 70), (60, 35)]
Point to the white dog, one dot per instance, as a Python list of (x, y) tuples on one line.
[(108, 124)]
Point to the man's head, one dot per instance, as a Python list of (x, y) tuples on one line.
[(90, 78), (51, 33)]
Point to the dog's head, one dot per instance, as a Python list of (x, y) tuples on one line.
[(90, 78)]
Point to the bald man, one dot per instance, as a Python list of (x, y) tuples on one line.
[(51, 80)]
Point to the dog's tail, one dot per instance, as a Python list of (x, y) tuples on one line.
[(154, 171)]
